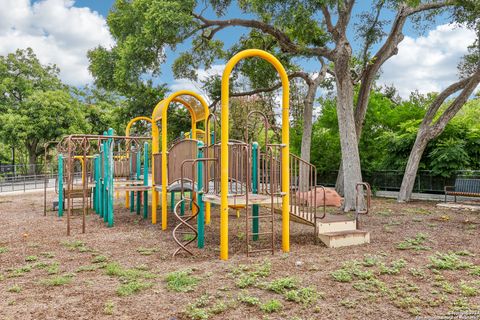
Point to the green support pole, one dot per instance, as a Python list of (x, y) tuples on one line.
[(95, 188), (101, 198), (132, 194), (105, 180), (145, 180), (172, 200), (110, 179), (60, 185), (138, 178), (201, 204), (255, 207)]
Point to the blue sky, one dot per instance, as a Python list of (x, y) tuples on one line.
[(62, 31)]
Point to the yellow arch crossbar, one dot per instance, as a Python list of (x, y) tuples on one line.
[(224, 147)]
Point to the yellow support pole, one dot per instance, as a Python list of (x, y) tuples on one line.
[(224, 147)]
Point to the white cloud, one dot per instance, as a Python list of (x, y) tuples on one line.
[(196, 86), (57, 32), (427, 63)]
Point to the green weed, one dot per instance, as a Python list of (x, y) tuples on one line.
[(15, 289), (109, 308), (271, 306), (3, 250), (448, 261), (53, 268), (31, 258), (304, 296), (132, 286), (181, 281), (394, 268), (342, 275), (99, 259), (197, 310), (48, 255), (281, 284), (415, 243), (57, 281), (147, 251), (19, 272), (249, 300), (468, 291)]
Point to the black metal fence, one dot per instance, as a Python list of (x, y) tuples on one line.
[(391, 180)]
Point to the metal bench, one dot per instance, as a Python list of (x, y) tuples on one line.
[(463, 187)]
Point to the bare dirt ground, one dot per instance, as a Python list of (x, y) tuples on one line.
[(125, 272)]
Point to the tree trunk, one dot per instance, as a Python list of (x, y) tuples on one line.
[(346, 125), (411, 169), (307, 137), (32, 157)]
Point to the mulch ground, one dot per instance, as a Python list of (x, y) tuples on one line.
[(46, 275)]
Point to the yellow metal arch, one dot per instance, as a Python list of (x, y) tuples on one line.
[(224, 147), (160, 113)]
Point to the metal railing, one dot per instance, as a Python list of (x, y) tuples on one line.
[(32, 182), (391, 180)]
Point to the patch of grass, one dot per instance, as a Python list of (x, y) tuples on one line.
[(370, 261), (371, 285), (417, 272), (48, 255), (219, 307), (116, 270), (147, 251), (132, 286), (467, 290), (448, 261), (14, 289), (19, 272), (188, 237), (245, 280), (464, 253), (3, 250), (57, 281), (262, 270), (461, 304), (197, 310), (249, 300), (248, 275), (53, 268), (181, 281), (99, 259), (281, 284), (349, 304), (31, 258), (342, 275), (87, 268), (305, 296), (40, 265), (109, 308), (394, 268), (73, 245), (415, 243), (475, 271), (271, 306)]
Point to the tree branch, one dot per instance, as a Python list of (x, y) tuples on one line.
[(286, 44)]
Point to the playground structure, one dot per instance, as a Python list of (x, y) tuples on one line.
[(260, 180)]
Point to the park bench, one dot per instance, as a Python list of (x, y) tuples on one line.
[(463, 187)]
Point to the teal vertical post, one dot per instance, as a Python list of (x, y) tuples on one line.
[(182, 135), (201, 204), (172, 200), (132, 194), (95, 188), (145, 179), (60, 185), (110, 179), (138, 178), (255, 207), (101, 198), (105, 180), (212, 137)]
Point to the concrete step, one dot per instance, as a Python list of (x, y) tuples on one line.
[(335, 223), (344, 238)]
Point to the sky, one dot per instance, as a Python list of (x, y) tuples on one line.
[(62, 31)]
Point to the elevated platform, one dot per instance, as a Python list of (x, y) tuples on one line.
[(241, 200), (132, 188)]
